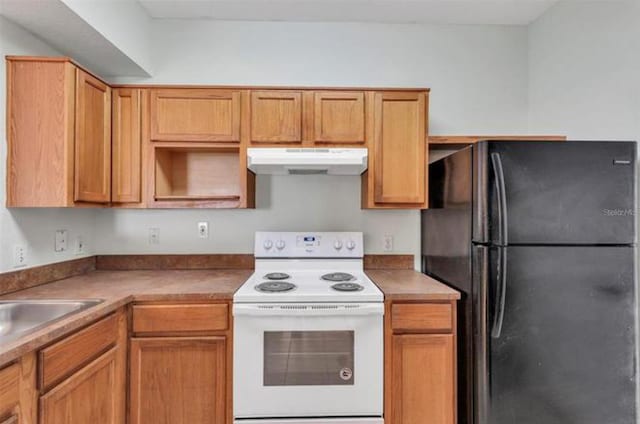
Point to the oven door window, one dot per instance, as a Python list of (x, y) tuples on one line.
[(308, 358)]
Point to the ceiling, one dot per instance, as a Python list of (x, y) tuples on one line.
[(496, 12)]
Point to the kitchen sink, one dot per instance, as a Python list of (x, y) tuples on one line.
[(20, 317)]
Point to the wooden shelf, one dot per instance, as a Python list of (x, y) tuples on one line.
[(188, 172), (195, 197), (470, 139)]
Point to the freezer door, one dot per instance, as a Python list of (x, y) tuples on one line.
[(559, 344), (573, 192)]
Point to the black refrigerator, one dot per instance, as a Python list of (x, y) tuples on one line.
[(540, 238)]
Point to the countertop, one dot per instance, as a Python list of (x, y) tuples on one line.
[(405, 284), (118, 288)]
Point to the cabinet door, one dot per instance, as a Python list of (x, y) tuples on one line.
[(208, 115), (423, 386), (178, 380), (126, 145), (276, 117), (339, 117), (91, 395), (93, 140), (400, 154)]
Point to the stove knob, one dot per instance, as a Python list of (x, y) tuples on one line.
[(337, 245), (351, 245), (280, 244), (268, 244)]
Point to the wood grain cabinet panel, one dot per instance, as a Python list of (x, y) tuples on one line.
[(178, 380), (40, 133), (431, 317), (91, 395), (423, 379), (10, 391), (62, 358), (180, 318), (339, 117), (93, 140), (197, 114), (126, 146), (400, 148), (276, 116)]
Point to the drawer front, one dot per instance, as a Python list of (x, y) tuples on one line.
[(180, 318), (70, 354), (429, 317), (9, 389)]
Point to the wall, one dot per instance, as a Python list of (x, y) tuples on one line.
[(32, 228), (478, 76), (584, 70)]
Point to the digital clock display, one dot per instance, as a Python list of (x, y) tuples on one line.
[(308, 239)]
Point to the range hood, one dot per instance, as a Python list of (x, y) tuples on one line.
[(307, 161)]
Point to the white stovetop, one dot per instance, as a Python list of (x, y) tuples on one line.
[(305, 274)]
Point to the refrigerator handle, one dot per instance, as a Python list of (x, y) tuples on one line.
[(498, 176), (501, 294)]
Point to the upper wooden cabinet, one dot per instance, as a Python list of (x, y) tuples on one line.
[(195, 114), (339, 117), (92, 177), (126, 146), (58, 138), (276, 116), (397, 175)]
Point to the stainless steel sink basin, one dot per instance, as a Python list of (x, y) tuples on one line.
[(20, 317)]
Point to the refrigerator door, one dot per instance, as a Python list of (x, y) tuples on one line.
[(556, 341), (573, 192)]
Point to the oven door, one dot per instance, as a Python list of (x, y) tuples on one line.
[(308, 360)]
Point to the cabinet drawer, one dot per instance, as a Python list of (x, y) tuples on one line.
[(422, 316), (9, 389), (68, 355), (180, 318)]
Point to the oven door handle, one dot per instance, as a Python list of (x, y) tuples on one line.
[(310, 310)]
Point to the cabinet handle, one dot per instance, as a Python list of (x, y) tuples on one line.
[(11, 420)]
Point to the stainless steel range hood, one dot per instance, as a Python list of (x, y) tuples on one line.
[(307, 161)]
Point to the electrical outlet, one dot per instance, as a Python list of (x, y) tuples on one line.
[(19, 255), (154, 235), (387, 243), (79, 246), (61, 243), (203, 229)]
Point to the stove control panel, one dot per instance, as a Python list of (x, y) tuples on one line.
[(308, 245)]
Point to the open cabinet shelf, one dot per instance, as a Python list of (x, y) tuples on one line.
[(188, 173)]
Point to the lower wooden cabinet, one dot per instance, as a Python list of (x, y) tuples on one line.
[(423, 379), (91, 395), (83, 376), (18, 396), (420, 368), (180, 363), (178, 380)]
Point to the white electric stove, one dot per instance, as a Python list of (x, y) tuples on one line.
[(308, 333)]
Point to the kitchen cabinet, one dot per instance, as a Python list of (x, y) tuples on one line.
[(18, 396), (276, 117), (339, 117), (58, 139), (178, 380), (195, 115), (92, 177), (82, 377), (126, 169), (91, 395), (397, 174), (180, 364), (420, 367)]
